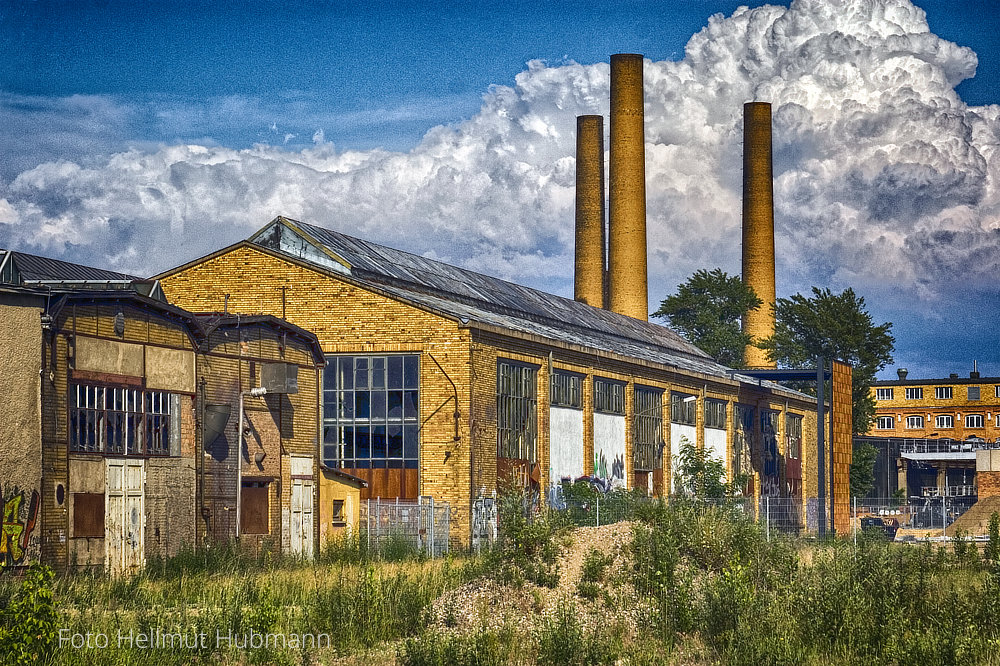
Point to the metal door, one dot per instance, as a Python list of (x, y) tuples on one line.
[(302, 518), (124, 519)]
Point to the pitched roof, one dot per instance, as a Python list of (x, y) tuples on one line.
[(34, 268), (474, 298)]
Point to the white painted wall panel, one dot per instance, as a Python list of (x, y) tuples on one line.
[(677, 432), (715, 444), (565, 444), (609, 448)]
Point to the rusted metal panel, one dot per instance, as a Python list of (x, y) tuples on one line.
[(88, 515)]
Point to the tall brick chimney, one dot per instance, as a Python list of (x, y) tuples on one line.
[(627, 290), (590, 273), (758, 226)]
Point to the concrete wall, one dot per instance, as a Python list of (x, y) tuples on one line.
[(20, 428), (679, 431), (715, 443)]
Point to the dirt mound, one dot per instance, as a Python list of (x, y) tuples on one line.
[(486, 603)]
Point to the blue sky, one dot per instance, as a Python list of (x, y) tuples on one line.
[(123, 118)]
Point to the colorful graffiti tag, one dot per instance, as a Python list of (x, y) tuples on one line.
[(15, 531)]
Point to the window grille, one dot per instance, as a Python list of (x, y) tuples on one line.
[(973, 420), (564, 390), (793, 435), (517, 411), (122, 421), (715, 413), (944, 421), (371, 412), (914, 393), (913, 422), (942, 392), (683, 408), (647, 443), (609, 397), (883, 394), (885, 423)]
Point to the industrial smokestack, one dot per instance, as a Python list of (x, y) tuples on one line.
[(590, 276), (758, 226), (627, 292)]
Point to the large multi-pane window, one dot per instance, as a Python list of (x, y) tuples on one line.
[(914, 393), (517, 411), (973, 420), (565, 390), (885, 423), (123, 421), (883, 394), (715, 413), (943, 421), (371, 412), (683, 408), (793, 435), (647, 444), (942, 392), (913, 422), (609, 396)]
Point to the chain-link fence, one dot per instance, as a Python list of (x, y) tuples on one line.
[(421, 524)]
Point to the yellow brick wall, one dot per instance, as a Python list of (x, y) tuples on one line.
[(929, 407)]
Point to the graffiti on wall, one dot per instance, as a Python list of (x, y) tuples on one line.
[(616, 472), (19, 521)]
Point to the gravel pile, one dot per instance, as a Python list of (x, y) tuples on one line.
[(491, 605)]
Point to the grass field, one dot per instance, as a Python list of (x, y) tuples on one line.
[(677, 584)]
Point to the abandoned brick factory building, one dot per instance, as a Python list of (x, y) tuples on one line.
[(119, 435), (414, 378)]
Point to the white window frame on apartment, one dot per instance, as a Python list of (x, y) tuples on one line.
[(883, 394), (942, 393), (974, 421), (914, 393), (914, 422), (996, 391), (944, 421), (885, 423)]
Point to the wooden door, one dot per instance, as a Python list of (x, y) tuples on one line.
[(124, 520)]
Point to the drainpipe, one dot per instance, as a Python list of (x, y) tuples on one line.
[(253, 393)]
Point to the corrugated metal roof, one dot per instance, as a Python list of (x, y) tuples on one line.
[(33, 267), (473, 297)]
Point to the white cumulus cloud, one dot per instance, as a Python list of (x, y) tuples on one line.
[(885, 179)]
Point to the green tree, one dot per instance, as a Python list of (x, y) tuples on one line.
[(863, 469), (706, 311), (701, 475), (833, 326)]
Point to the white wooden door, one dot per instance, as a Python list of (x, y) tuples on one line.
[(301, 526), (124, 519)]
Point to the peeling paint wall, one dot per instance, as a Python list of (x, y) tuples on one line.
[(565, 444), (715, 444), (679, 431)]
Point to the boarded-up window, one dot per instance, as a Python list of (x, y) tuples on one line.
[(88, 515), (253, 510)]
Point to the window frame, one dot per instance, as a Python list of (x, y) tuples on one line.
[(978, 391), (647, 432), (885, 419), (914, 393), (943, 392), (683, 410), (371, 411), (919, 419), (716, 413), (609, 396), (517, 410), (566, 389), (883, 393), (793, 436), (974, 417), (123, 420), (943, 421)]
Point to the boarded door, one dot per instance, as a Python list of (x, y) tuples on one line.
[(302, 518), (124, 519), (301, 523)]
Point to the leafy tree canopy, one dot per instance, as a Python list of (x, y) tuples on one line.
[(863, 470), (835, 326), (706, 311)]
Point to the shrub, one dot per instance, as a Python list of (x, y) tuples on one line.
[(28, 623)]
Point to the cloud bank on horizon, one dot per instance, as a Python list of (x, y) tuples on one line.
[(885, 180)]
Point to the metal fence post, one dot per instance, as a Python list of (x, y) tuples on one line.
[(432, 542), (378, 518), (767, 516), (598, 511), (854, 522), (368, 523), (944, 516)]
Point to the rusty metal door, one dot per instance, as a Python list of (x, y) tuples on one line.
[(124, 519), (301, 527)]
